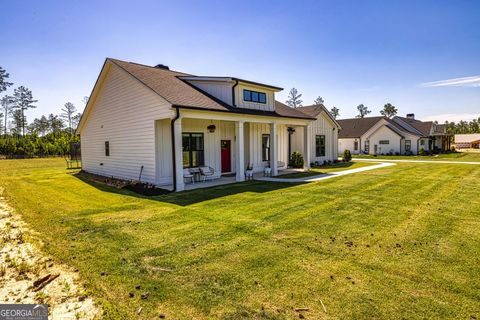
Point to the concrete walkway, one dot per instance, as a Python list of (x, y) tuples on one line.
[(417, 161), (326, 175)]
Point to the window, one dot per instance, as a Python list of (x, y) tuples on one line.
[(408, 145), (254, 96), (265, 147), (107, 148), (422, 142), (367, 146), (192, 147), (384, 142), (320, 146), (355, 145)]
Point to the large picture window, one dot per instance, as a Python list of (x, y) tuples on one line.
[(320, 146), (265, 147), (192, 147), (254, 96)]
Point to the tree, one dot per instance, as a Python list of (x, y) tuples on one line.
[(67, 114), (362, 111), (318, 101), (294, 98), (389, 110), (55, 124), (39, 126), (76, 120), (335, 112), (18, 122), (23, 101), (6, 103), (85, 100), (3, 82)]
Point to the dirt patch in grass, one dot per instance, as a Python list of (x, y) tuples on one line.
[(28, 276)]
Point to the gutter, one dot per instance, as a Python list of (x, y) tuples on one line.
[(233, 92), (172, 128)]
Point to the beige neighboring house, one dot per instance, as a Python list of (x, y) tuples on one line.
[(467, 141), (159, 122), (399, 135)]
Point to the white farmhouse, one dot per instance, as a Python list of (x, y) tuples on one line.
[(160, 122)]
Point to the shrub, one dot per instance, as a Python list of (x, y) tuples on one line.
[(347, 156), (296, 160), (452, 148), (422, 152)]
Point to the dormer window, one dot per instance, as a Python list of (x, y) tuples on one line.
[(254, 96)]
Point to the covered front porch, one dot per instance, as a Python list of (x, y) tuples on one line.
[(228, 145)]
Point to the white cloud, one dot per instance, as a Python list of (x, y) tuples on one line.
[(473, 81), (452, 117)]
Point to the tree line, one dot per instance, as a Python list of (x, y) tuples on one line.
[(389, 111), (48, 135)]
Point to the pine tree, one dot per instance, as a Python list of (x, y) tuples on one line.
[(23, 101), (6, 103), (389, 110), (318, 101), (294, 98), (67, 114), (362, 111), (3, 82), (335, 112)]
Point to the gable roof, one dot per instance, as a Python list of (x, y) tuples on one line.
[(169, 85), (422, 127), (356, 127), (315, 109)]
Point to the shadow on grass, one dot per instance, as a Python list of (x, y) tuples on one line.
[(190, 197)]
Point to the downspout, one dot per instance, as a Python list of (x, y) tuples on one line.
[(172, 128), (233, 93)]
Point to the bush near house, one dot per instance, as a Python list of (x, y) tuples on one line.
[(422, 152), (296, 160), (347, 156)]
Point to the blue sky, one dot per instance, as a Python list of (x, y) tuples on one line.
[(348, 52)]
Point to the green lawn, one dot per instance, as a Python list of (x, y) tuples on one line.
[(341, 166), (397, 242), (458, 156)]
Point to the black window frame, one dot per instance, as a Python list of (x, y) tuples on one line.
[(107, 148), (266, 147), (248, 96), (320, 147), (355, 145), (190, 150), (384, 142)]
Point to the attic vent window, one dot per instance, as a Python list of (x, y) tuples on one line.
[(162, 66)]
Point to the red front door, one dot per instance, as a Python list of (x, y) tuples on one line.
[(226, 156)]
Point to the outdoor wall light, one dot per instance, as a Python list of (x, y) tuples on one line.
[(211, 128)]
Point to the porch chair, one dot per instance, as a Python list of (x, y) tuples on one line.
[(207, 173), (187, 175)]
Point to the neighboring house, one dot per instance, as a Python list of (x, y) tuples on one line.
[(467, 141), (381, 135), (158, 122)]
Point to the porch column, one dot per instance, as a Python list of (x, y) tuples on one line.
[(239, 151), (177, 133), (273, 149), (307, 137)]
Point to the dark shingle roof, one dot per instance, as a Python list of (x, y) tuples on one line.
[(179, 93), (356, 127), (422, 127)]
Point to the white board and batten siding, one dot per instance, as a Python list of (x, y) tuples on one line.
[(219, 89), (123, 114), (321, 126), (240, 103)]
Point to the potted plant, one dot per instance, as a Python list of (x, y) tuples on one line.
[(249, 172)]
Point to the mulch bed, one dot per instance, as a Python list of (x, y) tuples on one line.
[(145, 189)]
